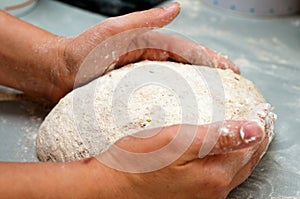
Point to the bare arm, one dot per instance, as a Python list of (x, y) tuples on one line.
[(43, 64), (187, 177), (27, 61), (84, 179), (36, 62)]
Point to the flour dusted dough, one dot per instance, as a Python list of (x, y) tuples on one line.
[(91, 118)]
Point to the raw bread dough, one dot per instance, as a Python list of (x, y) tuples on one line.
[(145, 95)]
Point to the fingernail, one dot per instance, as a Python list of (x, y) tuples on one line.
[(170, 6), (251, 132)]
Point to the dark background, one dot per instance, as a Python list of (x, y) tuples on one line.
[(113, 7)]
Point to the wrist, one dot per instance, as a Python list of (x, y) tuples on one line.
[(33, 60), (106, 182), (59, 79), (83, 179), (29, 57)]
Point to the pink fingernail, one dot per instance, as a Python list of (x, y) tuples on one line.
[(251, 132), (170, 6)]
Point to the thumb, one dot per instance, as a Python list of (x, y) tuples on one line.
[(154, 149), (155, 17)]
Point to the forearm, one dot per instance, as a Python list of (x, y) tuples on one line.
[(28, 56), (85, 179)]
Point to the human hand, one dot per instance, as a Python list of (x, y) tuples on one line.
[(155, 46), (187, 176), (228, 164), (42, 64)]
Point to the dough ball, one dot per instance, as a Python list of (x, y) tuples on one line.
[(144, 95)]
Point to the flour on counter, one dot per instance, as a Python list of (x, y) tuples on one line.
[(36, 111), (26, 143)]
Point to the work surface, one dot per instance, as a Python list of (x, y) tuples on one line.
[(267, 50)]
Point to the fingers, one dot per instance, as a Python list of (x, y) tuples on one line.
[(245, 171), (237, 135), (156, 17), (154, 149), (213, 139), (100, 38), (126, 39), (214, 59), (153, 45), (222, 138)]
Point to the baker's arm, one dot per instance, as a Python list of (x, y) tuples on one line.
[(186, 177), (28, 56), (43, 64), (82, 179), (36, 62)]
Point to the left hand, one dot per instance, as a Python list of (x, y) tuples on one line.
[(42, 64), (74, 50)]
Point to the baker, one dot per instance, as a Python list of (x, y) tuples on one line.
[(45, 65)]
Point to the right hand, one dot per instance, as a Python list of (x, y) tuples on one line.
[(213, 176)]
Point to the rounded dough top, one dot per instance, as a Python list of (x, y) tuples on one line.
[(138, 96)]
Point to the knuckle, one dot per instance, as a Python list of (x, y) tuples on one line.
[(111, 25)]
